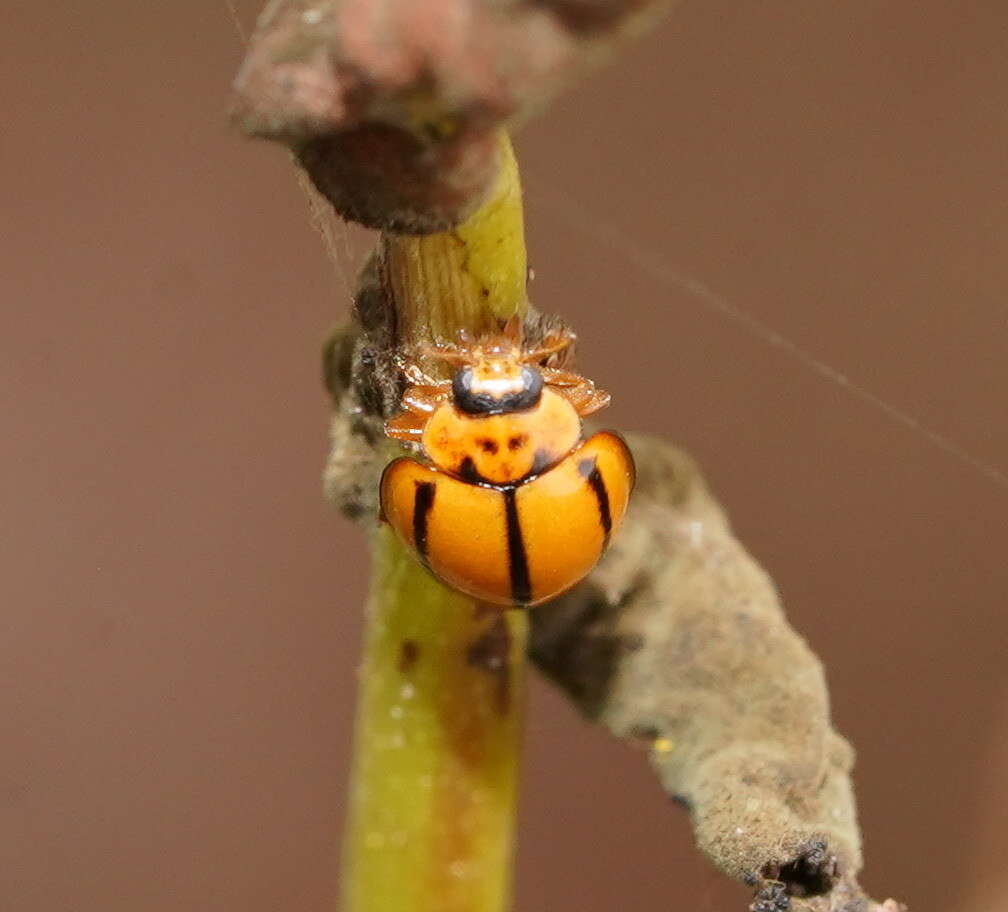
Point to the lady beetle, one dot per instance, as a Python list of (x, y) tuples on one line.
[(514, 508)]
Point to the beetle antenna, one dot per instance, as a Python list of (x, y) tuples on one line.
[(449, 353)]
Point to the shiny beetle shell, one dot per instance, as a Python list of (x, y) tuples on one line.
[(516, 544), (513, 508), (502, 449)]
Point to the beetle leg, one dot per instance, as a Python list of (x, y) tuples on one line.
[(416, 376), (514, 329), (408, 426), (448, 353), (580, 392), (562, 378), (550, 345), (418, 403), (423, 399), (592, 401), (413, 374)]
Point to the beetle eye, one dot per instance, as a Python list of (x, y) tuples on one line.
[(532, 385), (462, 385)]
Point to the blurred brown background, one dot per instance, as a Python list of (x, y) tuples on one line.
[(181, 610)]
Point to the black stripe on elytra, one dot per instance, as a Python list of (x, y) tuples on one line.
[(521, 582), (540, 461), (589, 470), (423, 500), (467, 471)]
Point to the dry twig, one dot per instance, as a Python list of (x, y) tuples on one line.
[(392, 106)]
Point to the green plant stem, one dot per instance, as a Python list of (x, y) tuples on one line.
[(435, 771)]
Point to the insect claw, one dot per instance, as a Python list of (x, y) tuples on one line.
[(512, 329)]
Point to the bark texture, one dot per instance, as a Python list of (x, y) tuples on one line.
[(392, 106)]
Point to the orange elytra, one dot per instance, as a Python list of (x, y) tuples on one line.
[(513, 507)]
